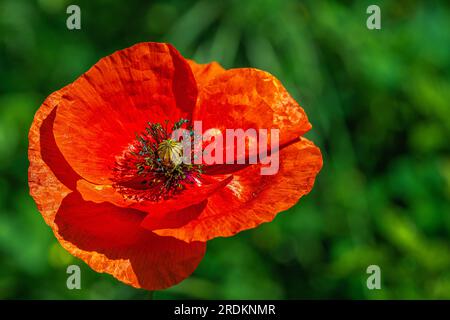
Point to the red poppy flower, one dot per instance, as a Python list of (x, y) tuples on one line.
[(100, 158)]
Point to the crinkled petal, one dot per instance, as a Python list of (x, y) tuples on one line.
[(251, 198), (250, 99), (192, 195), (103, 110), (46, 185), (114, 233)]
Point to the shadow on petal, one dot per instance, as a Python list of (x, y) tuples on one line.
[(158, 262)]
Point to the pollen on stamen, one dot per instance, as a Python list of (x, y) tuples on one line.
[(151, 168)]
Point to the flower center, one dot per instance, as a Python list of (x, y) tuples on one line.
[(152, 166)]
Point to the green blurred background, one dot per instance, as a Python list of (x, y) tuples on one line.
[(379, 104)]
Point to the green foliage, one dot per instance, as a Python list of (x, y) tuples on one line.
[(379, 104)]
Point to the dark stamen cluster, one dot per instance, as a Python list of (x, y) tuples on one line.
[(142, 174)]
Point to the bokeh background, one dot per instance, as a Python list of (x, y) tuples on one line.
[(379, 104)]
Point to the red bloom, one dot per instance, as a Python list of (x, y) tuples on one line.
[(100, 160)]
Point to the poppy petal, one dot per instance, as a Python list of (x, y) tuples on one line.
[(111, 235), (45, 183), (192, 195), (176, 213), (251, 198), (250, 99), (103, 110)]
